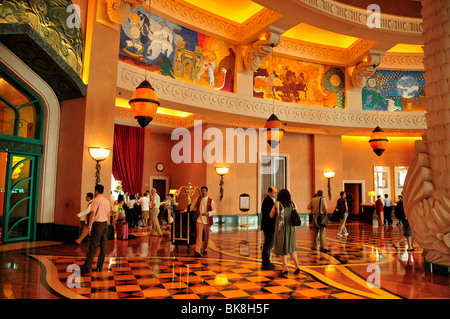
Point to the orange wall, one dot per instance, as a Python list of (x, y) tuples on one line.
[(359, 159), (158, 147), (308, 155), (70, 162), (157, 150), (328, 157)]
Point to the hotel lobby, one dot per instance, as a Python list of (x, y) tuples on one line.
[(334, 95)]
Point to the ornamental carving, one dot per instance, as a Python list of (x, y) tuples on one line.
[(119, 10), (50, 20), (260, 49), (427, 210), (360, 16), (364, 70), (211, 100), (402, 61)]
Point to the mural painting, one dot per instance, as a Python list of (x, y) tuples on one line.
[(394, 91), (171, 50), (300, 82)]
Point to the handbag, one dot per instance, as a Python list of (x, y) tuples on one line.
[(295, 217), (322, 219)]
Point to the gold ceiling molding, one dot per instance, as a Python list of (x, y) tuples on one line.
[(210, 102), (402, 61), (125, 114), (197, 19), (360, 16), (312, 52), (287, 128), (258, 22)]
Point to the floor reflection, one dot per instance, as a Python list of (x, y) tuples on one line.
[(152, 267)]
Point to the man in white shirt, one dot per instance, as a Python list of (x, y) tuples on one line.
[(98, 229), (145, 209), (205, 208), (155, 229)]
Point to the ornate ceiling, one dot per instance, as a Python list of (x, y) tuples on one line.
[(322, 31)]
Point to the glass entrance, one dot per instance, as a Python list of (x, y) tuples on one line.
[(18, 198), (20, 151)]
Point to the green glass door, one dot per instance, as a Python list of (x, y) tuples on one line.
[(19, 198), (21, 130)]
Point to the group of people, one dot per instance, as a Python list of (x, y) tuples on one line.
[(279, 232), (99, 213), (384, 215), (276, 224)]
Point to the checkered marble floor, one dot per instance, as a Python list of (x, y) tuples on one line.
[(232, 269), (188, 278)]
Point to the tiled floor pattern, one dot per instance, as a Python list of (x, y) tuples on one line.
[(188, 278), (149, 267), (169, 275)]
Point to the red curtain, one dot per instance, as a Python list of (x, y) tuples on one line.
[(128, 157)]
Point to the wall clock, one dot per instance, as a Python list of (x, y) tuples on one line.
[(160, 167)]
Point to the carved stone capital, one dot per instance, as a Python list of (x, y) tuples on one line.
[(364, 70), (119, 10), (260, 49)]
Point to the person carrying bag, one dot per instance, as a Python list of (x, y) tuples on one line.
[(318, 206)]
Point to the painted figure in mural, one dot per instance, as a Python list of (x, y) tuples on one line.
[(166, 66), (133, 30), (202, 68), (211, 66)]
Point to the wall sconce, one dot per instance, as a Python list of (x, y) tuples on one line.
[(98, 154), (372, 195), (329, 175), (221, 171)]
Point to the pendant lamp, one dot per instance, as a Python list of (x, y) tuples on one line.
[(274, 131), (144, 102), (378, 141)]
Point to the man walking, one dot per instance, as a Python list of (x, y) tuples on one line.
[(318, 205), (98, 230), (268, 227)]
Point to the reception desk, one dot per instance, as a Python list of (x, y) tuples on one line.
[(367, 212)]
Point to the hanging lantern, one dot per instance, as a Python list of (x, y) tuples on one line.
[(378, 141), (274, 131), (144, 103)]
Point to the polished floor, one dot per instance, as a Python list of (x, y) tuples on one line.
[(363, 265)]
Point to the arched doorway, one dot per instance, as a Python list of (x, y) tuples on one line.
[(21, 115)]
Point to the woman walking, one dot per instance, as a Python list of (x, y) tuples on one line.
[(285, 241)]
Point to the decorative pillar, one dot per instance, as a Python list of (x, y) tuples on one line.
[(427, 186), (88, 121)]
